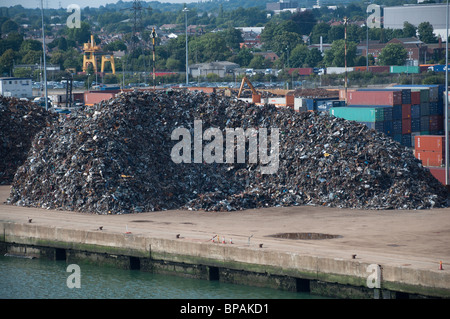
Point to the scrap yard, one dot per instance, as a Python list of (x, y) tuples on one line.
[(348, 188)]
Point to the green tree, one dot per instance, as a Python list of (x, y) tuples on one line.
[(393, 54), (409, 30), (7, 61), (304, 21), (298, 56), (314, 57), (9, 26), (425, 31), (320, 30), (336, 55)]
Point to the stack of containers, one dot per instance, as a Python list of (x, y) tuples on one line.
[(430, 149)]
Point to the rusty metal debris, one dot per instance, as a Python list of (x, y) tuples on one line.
[(19, 122), (114, 158)]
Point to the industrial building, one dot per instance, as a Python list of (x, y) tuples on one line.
[(221, 68), (435, 14), (16, 87)]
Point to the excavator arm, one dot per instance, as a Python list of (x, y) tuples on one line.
[(250, 85)]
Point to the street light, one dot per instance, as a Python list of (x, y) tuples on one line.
[(43, 50), (185, 10), (446, 103)]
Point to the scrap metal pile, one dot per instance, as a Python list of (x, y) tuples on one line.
[(116, 158), (19, 122)]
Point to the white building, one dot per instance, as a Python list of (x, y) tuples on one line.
[(16, 87)]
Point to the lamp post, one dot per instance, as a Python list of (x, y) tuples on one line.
[(43, 50), (446, 103), (185, 10)]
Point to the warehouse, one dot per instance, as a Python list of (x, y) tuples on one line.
[(395, 17), (16, 87)]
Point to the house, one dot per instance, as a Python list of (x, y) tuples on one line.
[(221, 68), (417, 50), (16, 87)]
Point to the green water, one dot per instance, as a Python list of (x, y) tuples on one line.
[(44, 279)]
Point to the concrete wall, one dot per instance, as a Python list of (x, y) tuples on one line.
[(200, 255)]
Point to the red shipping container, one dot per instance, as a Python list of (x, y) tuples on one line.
[(379, 68), (374, 97), (406, 126), (431, 143), (406, 111), (438, 173), (415, 97), (430, 158), (436, 122)]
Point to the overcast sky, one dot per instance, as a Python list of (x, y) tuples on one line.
[(65, 3)]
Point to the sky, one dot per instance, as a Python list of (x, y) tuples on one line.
[(65, 3)]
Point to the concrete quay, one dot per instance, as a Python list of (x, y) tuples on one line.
[(403, 248)]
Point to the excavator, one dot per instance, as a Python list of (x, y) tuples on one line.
[(256, 98)]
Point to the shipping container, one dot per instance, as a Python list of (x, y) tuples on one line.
[(406, 111), (415, 97), (406, 140), (404, 69), (413, 138), (438, 173), (424, 108), (415, 111), (415, 125), (406, 126), (301, 71), (436, 122), (379, 68), (436, 108), (378, 126), (430, 158), (359, 114), (375, 97), (397, 127), (430, 143), (398, 138), (91, 98), (388, 128), (397, 112), (431, 89), (338, 70)]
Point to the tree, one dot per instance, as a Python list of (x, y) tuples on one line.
[(320, 30), (336, 55), (393, 54), (313, 58), (305, 21), (425, 31), (298, 56), (409, 30)]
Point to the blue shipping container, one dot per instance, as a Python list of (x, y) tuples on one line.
[(398, 138), (397, 127), (425, 123), (406, 140), (415, 125), (379, 126), (397, 112), (388, 128), (415, 111)]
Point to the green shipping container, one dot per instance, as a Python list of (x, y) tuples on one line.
[(359, 114), (404, 69)]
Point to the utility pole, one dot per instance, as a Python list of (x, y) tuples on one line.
[(185, 10), (345, 53), (153, 35), (43, 50)]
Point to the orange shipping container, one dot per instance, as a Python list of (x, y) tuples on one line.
[(430, 158), (430, 143)]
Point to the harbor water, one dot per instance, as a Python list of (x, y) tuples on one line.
[(22, 278)]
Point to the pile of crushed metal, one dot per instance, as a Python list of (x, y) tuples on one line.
[(117, 157), (19, 121)]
